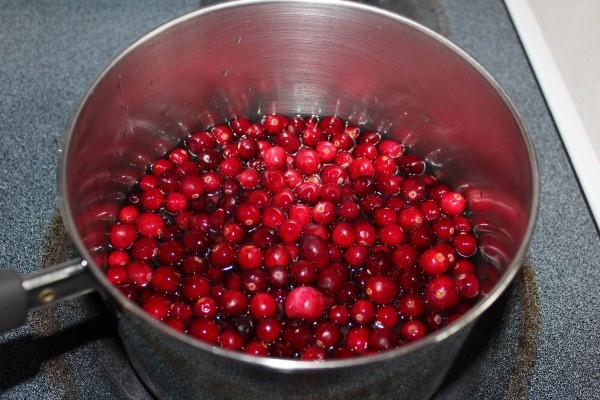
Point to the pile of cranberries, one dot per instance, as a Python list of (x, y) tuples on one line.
[(303, 238)]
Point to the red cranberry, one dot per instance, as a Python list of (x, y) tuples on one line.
[(144, 248), (181, 311), (122, 235), (249, 257), (232, 340), (391, 235), (465, 244), (247, 214), (205, 329), (222, 255), (284, 199), (410, 218), (262, 305), (117, 275), (390, 148), (360, 167), (307, 161), (362, 312), (157, 306), (413, 330), (343, 234), (386, 316), (205, 307), (410, 306), (118, 258), (128, 213), (433, 261), (381, 289), (441, 294), (357, 339), (370, 137), (305, 303), (199, 141), (298, 335), (453, 203), (468, 285), (365, 150), (314, 250), (171, 253), (162, 165), (277, 255), (410, 164), (233, 302), (268, 330)]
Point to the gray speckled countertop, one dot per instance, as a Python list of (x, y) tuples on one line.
[(540, 341)]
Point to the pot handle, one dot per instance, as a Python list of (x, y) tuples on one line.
[(19, 294)]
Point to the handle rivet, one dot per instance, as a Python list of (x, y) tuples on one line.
[(47, 295)]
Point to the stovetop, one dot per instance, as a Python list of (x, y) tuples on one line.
[(539, 341)]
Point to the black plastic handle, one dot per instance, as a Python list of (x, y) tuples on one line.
[(14, 300)]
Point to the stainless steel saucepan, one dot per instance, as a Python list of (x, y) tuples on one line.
[(248, 58)]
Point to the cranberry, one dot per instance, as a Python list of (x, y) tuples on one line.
[(232, 340), (117, 275), (441, 293), (247, 214), (365, 150), (300, 213), (122, 235), (298, 335), (468, 285), (413, 330), (360, 167), (199, 141), (390, 148), (391, 235), (162, 165), (205, 329), (453, 203), (343, 234), (357, 339), (465, 244), (284, 199), (411, 306), (433, 261), (307, 161), (381, 289), (386, 316), (196, 242), (195, 287), (463, 266), (205, 307), (305, 302), (222, 255), (379, 262), (413, 189), (233, 302), (262, 305), (370, 137), (314, 249), (410, 164), (329, 281), (268, 330), (277, 255), (157, 306), (302, 273), (249, 257), (144, 248), (362, 311)]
